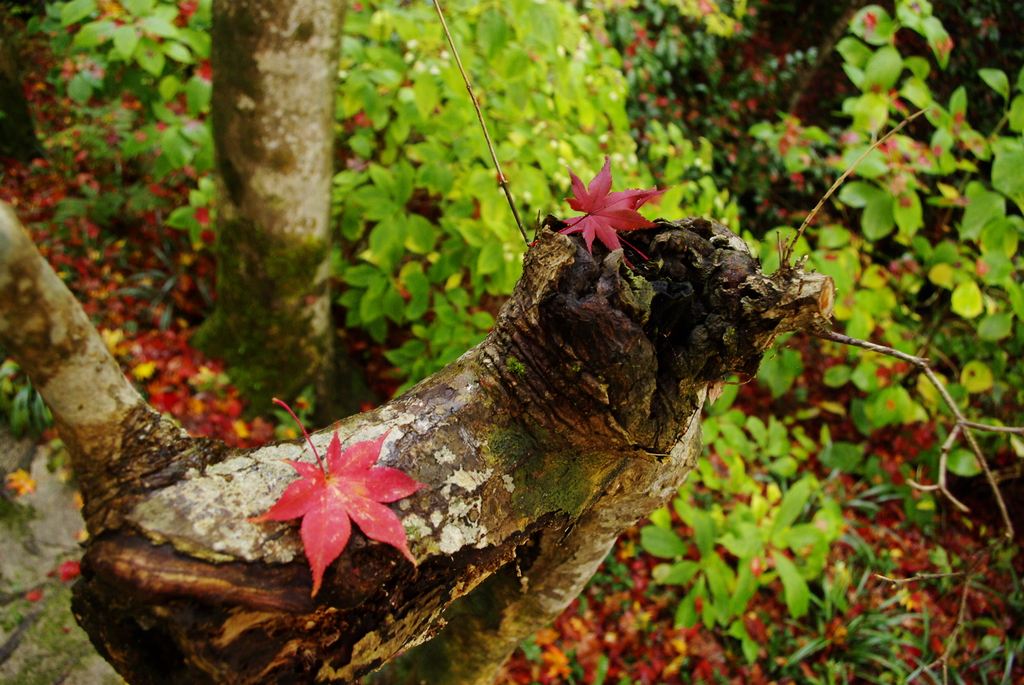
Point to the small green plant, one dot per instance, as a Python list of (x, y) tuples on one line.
[(760, 530), (139, 71), (429, 243), (21, 405), (934, 268)]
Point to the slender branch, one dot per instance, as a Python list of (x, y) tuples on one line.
[(480, 115), (921, 576), (790, 245), (1016, 430), (962, 424), (947, 447)]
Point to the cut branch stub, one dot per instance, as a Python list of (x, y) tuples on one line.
[(539, 446)]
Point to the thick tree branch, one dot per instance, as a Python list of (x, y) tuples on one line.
[(574, 418)]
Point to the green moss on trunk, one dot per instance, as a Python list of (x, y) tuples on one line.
[(262, 327)]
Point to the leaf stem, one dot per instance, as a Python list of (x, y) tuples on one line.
[(790, 245), (316, 454), (480, 115)]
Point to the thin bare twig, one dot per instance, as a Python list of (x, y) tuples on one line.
[(480, 115), (921, 576), (955, 637), (962, 425), (947, 447), (791, 244)]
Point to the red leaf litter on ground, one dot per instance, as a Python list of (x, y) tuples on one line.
[(349, 488), (69, 570), (605, 212)]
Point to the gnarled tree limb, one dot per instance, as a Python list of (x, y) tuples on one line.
[(575, 417)]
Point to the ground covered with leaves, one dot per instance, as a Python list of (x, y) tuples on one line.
[(893, 586)]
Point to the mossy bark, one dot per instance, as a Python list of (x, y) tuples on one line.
[(275, 66), (531, 470)]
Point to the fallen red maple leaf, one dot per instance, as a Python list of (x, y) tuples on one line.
[(69, 570), (606, 213), (349, 487)]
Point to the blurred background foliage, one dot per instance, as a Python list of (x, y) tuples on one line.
[(749, 110)]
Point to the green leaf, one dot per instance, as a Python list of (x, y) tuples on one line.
[(492, 257), (361, 275), (997, 81), (661, 543), (844, 456), (419, 287), (393, 305), (883, 69), (858, 193), (159, 26), (1000, 236), (938, 40), (491, 33), (837, 376), (780, 370), (744, 540), (79, 89), (176, 148), (75, 11), (917, 92), (1015, 293), (177, 51), (705, 532), (963, 463), (125, 40), (878, 219), (686, 613), (138, 8), (792, 504), (967, 300), (891, 406), (197, 94), (94, 33), (995, 327), (873, 24), (976, 376), (1016, 114), (482, 320), (784, 467), (371, 306), (871, 112), (907, 213), (149, 56), (918, 66), (984, 206), (1008, 175), (168, 87), (854, 52), (679, 573), (795, 589), (182, 218), (420, 234), (425, 94)]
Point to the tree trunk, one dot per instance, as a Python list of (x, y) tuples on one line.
[(574, 418), (17, 132), (825, 48), (275, 66)]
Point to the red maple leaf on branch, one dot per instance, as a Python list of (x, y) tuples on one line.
[(349, 488), (606, 213)]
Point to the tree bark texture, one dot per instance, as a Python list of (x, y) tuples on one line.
[(275, 66), (17, 130), (578, 415)]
